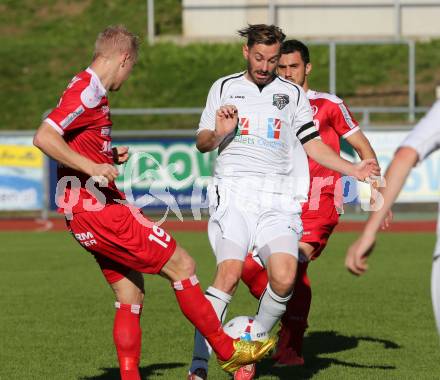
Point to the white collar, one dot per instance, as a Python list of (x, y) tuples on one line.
[(98, 81)]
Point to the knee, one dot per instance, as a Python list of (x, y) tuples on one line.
[(133, 296), (130, 290), (282, 282)]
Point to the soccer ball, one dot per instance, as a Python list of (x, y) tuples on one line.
[(245, 328)]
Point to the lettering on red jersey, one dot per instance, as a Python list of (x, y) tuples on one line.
[(71, 117), (347, 116), (106, 147), (105, 131), (86, 239)]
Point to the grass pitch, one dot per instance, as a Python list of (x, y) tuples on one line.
[(56, 314)]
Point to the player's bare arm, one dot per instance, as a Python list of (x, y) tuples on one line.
[(226, 119), (327, 157), (51, 143), (395, 176), (361, 145)]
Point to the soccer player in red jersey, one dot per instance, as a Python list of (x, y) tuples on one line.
[(77, 134), (319, 215)]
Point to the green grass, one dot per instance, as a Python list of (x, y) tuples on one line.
[(57, 311)]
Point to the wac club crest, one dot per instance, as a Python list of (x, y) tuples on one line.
[(280, 100)]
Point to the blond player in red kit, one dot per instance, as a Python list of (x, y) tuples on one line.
[(77, 134)]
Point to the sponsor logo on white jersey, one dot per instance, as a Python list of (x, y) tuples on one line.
[(71, 117), (280, 100)]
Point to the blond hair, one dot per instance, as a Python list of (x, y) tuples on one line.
[(116, 39)]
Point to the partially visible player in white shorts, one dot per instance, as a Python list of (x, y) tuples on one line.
[(242, 219), (419, 144), (262, 126)]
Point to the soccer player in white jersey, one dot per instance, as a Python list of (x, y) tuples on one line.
[(263, 127), (419, 144), (320, 214)]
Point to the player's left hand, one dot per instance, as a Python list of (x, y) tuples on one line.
[(120, 154), (366, 169), (358, 252)]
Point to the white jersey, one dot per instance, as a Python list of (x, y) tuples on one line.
[(425, 137), (273, 124)]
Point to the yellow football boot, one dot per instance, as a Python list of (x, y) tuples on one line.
[(247, 352)]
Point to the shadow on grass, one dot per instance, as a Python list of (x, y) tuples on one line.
[(323, 343), (146, 372)]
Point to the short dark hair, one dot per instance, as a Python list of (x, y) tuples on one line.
[(262, 34), (292, 46)]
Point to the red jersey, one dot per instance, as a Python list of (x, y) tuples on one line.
[(333, 120), (82, 117)]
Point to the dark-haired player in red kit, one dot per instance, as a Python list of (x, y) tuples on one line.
[(319, 215), (77, 134)]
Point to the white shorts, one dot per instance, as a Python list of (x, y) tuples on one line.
[(241, 223)]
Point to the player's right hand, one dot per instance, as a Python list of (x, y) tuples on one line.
[(103, 171), (226, 120), (366, 169), (358, 252)]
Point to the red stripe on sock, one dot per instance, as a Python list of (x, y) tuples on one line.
[(201, 314)]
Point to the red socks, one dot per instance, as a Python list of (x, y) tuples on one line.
[(254, 276), (295, 318), (199, 311), (127, 336)]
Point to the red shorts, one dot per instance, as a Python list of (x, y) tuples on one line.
[(319, 224), (121, 241)]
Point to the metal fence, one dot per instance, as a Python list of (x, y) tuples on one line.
[(365, 119), (274, 8)]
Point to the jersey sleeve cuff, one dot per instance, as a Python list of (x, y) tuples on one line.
[(54, 126), (350, 132), (204, 128), (421, 153)]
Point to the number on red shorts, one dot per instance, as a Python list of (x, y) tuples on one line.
[(159, 236)]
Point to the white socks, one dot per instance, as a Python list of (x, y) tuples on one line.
[(271, 308)]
